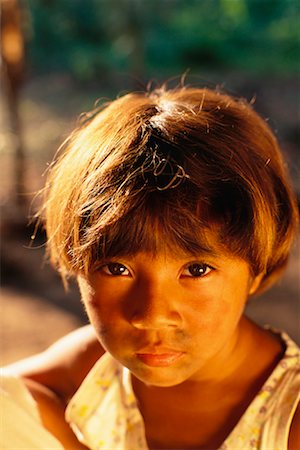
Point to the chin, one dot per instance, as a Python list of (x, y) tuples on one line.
[(159, 377)]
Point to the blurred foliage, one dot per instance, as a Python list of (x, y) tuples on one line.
[(94, 38)]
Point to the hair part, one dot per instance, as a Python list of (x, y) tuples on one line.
[(166, 168)]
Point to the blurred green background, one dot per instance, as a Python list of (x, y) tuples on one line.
[(60, 56), (73, 52), (94, 39)]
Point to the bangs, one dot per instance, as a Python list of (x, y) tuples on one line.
[(174, 222), (156, 226), (177, 204)]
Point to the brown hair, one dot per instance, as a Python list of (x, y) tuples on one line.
[(165, 167)]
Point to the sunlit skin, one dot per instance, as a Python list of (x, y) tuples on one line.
[(176, 322), (170, 319)]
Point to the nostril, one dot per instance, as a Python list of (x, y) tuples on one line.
[(153, 304), (156, 321)]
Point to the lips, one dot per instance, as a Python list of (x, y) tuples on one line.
[(159, 357)]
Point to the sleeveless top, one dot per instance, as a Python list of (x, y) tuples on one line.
[(103, 413)]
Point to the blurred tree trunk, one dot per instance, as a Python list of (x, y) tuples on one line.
[(12, 55)]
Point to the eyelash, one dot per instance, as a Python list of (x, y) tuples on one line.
[(108, 269), (198, 265), (112, 265)]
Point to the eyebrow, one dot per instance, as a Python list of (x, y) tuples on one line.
[(204, 252)]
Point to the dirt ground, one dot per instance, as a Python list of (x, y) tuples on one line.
[(30, 324), (35, 308)]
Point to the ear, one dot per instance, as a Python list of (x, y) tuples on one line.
[(254, 285)]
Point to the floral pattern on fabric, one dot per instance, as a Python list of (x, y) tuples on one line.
[(103, 413)]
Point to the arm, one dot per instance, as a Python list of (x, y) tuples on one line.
[(294, 437), (52, 414), (63, 366)]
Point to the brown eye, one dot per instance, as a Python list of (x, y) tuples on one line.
[(197, 270), (115, 269)]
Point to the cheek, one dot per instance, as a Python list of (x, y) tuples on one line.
[(104, 310), (217, 305), (86, 289), (207, 316), (90, 299)]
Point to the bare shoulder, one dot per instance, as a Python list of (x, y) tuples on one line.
[(64, 365), (294, 437)]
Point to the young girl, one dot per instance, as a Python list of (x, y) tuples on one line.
[(170, 208)]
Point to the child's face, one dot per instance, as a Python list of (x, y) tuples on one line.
[(168, 319)]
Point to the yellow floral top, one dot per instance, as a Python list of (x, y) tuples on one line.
[(104, 414)]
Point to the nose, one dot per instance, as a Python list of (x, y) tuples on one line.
[(155, 308)]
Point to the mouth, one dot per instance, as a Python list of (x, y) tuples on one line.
[(159, 357)]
